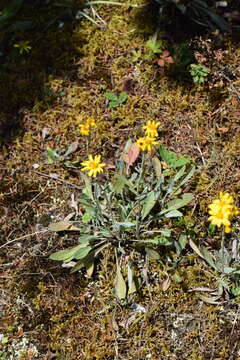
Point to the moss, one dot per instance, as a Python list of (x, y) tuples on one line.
[(60, 84)]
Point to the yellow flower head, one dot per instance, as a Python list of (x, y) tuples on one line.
[(151, 128), (146, 143), (23, 46), (93, 165), (222, 210), (84, 129), (91, 122)]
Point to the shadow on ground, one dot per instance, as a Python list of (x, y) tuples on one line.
[(23, 77)]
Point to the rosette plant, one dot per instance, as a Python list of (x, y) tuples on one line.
[(130, 212)]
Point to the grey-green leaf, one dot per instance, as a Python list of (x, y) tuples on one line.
[(120, 286), (157, 166), (119, 182), (208, 257), (179, 174), (229, 270), (209, 300), (173, 213), (82, 253), (148, 204), (87, 262), (126, 224), (187, 177), (182, 241), (72, 148), (181, 162), (79, 265), (85, 239), (88, 186), (151, 253), (131, 283), (178, 203), (65, 254)]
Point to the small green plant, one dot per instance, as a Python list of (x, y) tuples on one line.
[(226, 260), (136, 55), (130, 213), (199, 73), (114, 100), (154, 47), (226, 263), (54, 156)]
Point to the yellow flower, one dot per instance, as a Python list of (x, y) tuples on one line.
[(146, 143), (84, 129), (222, 210), (91, 122), (93, 165), (23, 47), (151, 128)]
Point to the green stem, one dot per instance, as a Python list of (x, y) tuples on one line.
[(222, 247), (88, 17), (141, 172)]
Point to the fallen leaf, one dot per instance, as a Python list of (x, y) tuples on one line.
[(131, 156), (166, 283), (45, 133), (161, 62), (223, 129)]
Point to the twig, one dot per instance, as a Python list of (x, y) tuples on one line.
[(52, 178), (95, 14), (232, 87), (200, 151), (32, 200), (23, 237)]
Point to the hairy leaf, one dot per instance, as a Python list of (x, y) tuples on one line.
[(171, 158), (173, 213), (148, 204), (82, 252), (131, 283), (209, 259), (177, 203), (182, 241), (88, 186), (120, 286), (119, 182), (157, 166), (65, 254), (72, 148), (151, 253)]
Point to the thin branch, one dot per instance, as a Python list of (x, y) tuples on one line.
[(52, 178), (23, 237)]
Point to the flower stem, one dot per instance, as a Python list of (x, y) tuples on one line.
[(222, 248), (141, 172)]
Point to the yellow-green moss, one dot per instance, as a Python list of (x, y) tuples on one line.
[(60, 84)]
